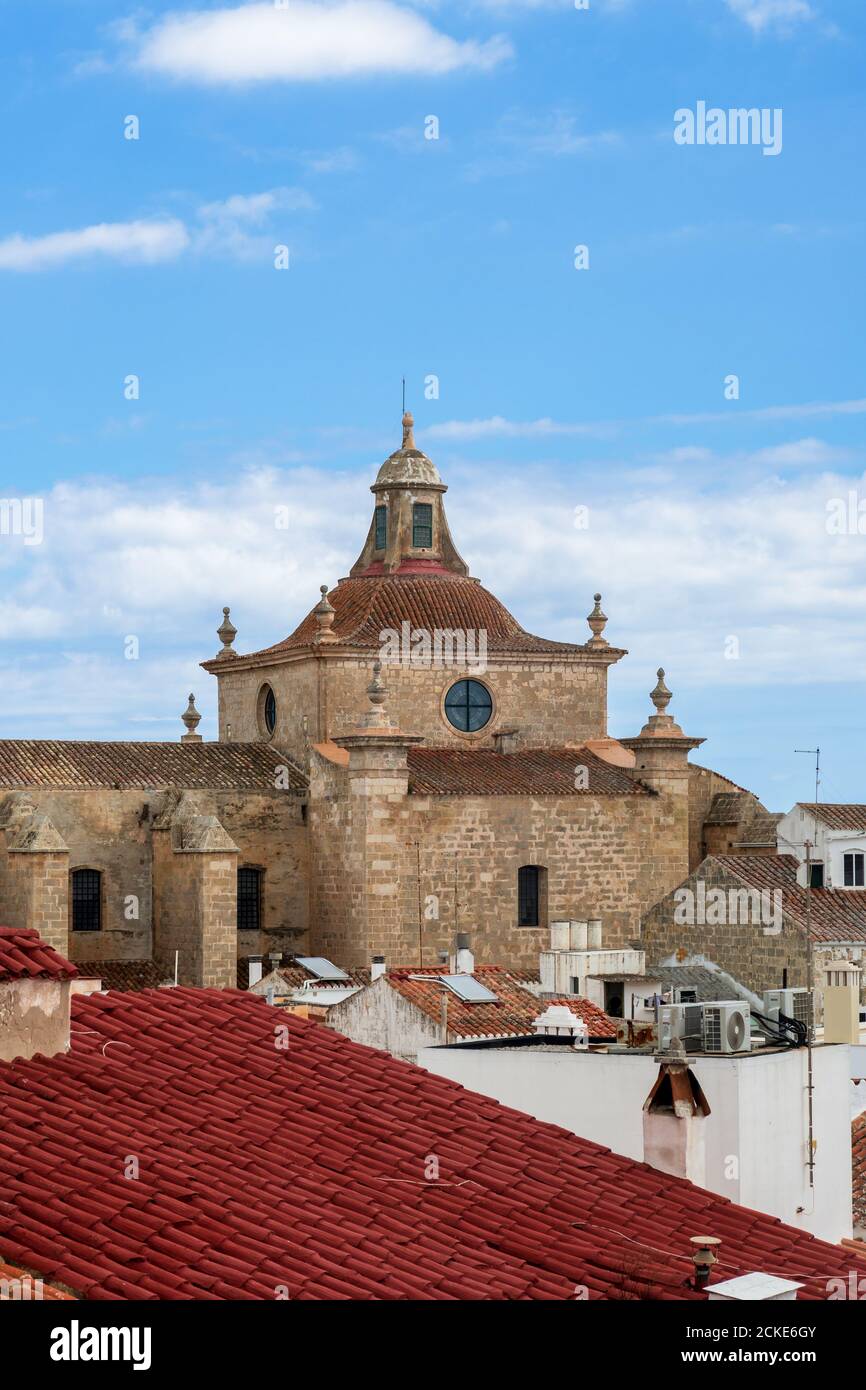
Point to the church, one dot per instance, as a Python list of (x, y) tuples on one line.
[(408, 764)]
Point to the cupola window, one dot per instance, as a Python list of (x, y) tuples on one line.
[(468, 706), (422, 525), (381, 527)]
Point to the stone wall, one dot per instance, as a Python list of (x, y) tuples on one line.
[(606, 857), (549, 702), (753, 954)]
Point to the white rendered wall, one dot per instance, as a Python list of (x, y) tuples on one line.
[(756, 1133)]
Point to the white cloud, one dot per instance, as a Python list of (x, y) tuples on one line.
[(304, 40), (497, 427), (762, 15), (222, 228), (145, 242)]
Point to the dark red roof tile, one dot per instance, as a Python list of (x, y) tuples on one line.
[(318, 1184), (24, 955), (527, 772)]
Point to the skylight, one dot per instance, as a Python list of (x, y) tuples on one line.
[(470, 990)]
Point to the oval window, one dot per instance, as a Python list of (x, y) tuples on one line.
[(468, 706), (269, 710)]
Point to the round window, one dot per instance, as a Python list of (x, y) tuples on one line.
[(269, 709), (468, 706)]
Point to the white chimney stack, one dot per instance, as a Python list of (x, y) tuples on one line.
[(560, 936), (557, 1021), (465, 960), (377, 968), (255, 968), (577, 933), (674, 1115)]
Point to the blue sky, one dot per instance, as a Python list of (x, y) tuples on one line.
[(454, 257)]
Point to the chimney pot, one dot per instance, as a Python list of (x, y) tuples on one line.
[(465, 961)]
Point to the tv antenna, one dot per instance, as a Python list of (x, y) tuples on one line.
[(817, 755)]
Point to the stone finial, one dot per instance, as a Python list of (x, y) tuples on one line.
[(325, 613), (597, 622), (226, 632), (377, 716), (191, 719), (408, 430), (661, 696)]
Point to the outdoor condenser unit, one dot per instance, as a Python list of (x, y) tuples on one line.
[(793, 1003), (727, 1027), (680, 1021)]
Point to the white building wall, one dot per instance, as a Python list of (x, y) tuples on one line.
[(828, 846), (756, 1132), (379, 1016)]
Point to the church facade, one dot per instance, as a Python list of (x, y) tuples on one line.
[(408, 764)]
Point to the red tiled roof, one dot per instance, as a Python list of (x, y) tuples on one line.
[(27, 1280), (368, 606), (839, 815), (70, 764), (528, 772), (510, 1016), (304, 1167), (838, 914), (858, 1161), (25, 956), (125, 974)]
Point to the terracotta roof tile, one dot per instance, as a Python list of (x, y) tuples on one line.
[(125, 974), (839, 815), (510, 1016), (305, 1167), (368, 606), (838, 914), (153, 766), (858, 1159), (24, 955), (17, 1284), (527, 772)]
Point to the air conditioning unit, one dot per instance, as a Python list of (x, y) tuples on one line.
[(793, 1003), (726, 1027), (680, 1021)]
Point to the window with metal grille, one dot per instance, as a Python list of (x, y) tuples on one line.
[(86, 900), (249, 899), (527, 895), (381, 527), (852, 869), (468, 706), (422, 525)]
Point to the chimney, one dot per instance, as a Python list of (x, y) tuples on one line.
[(377, 968), (704, 1258), (505, 740), (674, 1132), (557, 1021), (842, 1002), (577, 935), (560, 936), (274, 959), (35, 991), (255, 965), (465, 960)]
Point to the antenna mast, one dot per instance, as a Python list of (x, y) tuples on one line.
[(817, 753)]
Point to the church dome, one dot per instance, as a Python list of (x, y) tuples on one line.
[(407, 465), (365, 607)]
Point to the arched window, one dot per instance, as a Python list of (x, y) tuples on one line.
[(852, 869), (422, 525), (249, 899), (267, 710), (531, 895), (468, 706), (86, 900)]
